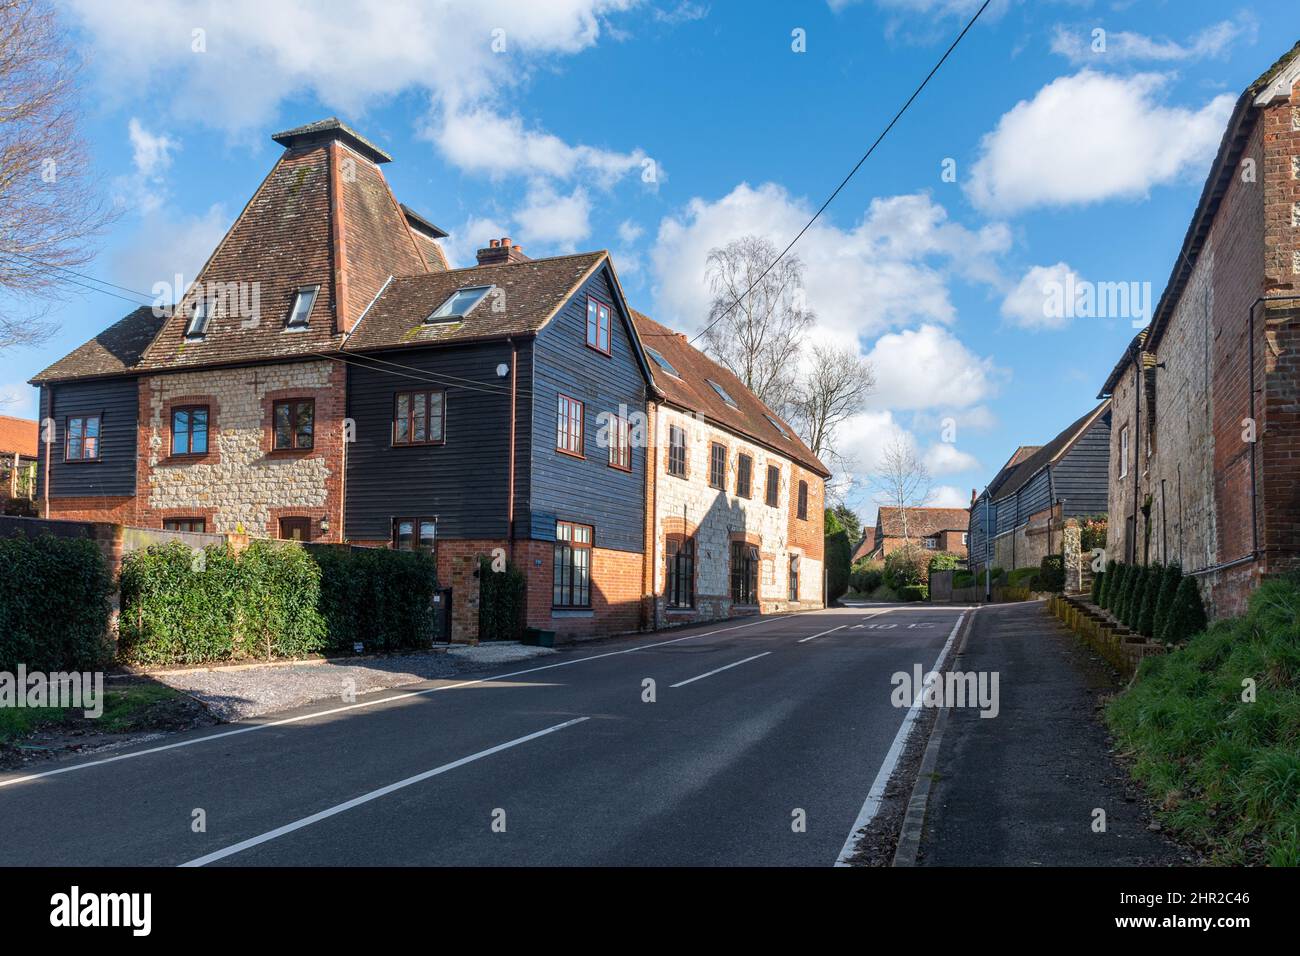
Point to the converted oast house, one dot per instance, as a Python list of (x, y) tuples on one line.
[(1205, 441), (328, 378)]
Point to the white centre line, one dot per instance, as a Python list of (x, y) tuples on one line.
[(248, 729), (877, 792), (822, 634), (719, 670), (278, 832)]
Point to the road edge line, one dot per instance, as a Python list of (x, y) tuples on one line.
[(910, 832)]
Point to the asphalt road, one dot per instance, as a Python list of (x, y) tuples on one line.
[(554, 762)]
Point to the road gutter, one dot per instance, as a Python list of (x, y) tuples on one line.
[(909, 835), (875, 795)]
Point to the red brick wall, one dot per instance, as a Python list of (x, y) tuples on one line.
[(616, 592), (116, 510), (809, 535)]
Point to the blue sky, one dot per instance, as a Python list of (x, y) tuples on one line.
[(660, 130)]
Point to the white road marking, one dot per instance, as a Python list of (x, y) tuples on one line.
[(368, 703), (804, 640), (719, 670), (874, 796), (278, 832)]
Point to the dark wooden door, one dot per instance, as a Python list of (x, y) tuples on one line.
[(295, 529)]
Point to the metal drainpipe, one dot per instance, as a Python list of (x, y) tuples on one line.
[(510, 503)]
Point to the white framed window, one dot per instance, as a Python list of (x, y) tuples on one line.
[(197, 327), (965, 539), (930, 544), (300, 312), (1123, 451)]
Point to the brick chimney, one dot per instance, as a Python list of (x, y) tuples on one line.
[(973, 496), (499, 251)]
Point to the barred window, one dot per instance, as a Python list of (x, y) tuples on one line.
[(680, 555), (744, 573)]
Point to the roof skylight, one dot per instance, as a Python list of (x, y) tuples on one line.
[(459, 304), (663, 363), (722, 393)]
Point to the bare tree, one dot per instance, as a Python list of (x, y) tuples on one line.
[(904, 479), (49, 204), (835, 388), (757, 337)]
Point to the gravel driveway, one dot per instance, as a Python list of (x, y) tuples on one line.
[(236, 693)]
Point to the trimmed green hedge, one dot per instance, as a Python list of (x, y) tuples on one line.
[(53, 604), (379, 598), (183, 606), (501, 602)]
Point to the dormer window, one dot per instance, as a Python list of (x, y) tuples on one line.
[(303, 300), (663, 363), (459, 304), (198, 324), (722, 393)]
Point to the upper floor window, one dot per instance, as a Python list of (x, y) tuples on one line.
[(197, 327), (1123, 451), (676, 451), (295, 422), (744, 470), (300, 312), (82, 438), (722, 393), (459, 304), (718, 465), (418, 418), (965, 538), (620, 443), (568, 436), (663, 363), (190, 430), (773, 484), (803, 500), (598, 325), (415, 534)]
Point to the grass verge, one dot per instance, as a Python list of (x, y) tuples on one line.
[(129, 708), (1223, 763)]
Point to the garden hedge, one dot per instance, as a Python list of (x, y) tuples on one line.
[(379, 598), (54, 604), (185, 606), (501, 602)]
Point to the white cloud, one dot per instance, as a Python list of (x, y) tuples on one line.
[(629, 231), (891, 269), (473, 235), (1124, 46), (18, 400), (1093, 136), (552, 218), (151, 152), (948, 496), (481, 140), (929, 367), (144, 260), (1026, 305), (943, 458)]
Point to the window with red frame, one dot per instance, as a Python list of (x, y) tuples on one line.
[(568, 435), (620, 443), (295, 422), (81, 435), (418, 418), (598, 325)]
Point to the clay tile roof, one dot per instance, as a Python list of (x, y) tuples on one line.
[(690, 389), (112, 352), (1019, 455), (18, 435), (529, 294), (866, 546), (923, 521)]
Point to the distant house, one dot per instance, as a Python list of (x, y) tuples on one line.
[(18, 448), (1018, 519), (866, 546), (935, 529)]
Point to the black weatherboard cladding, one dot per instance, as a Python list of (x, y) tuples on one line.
[(462, 482), (116, 401), (1080, 477)]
